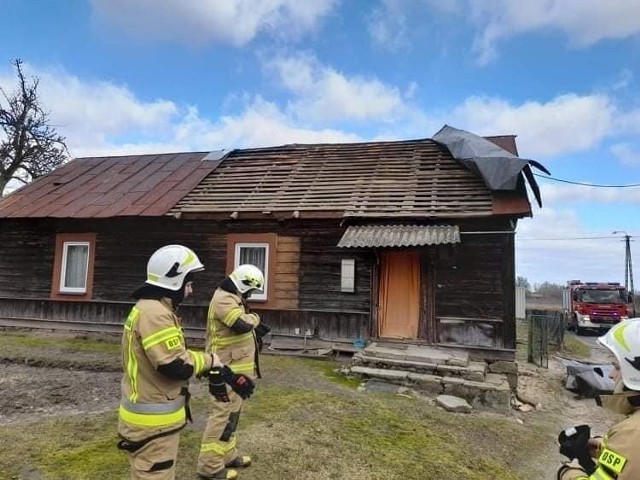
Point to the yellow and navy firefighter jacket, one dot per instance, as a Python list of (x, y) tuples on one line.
[(153, 403), (617, 456), (237, 350)]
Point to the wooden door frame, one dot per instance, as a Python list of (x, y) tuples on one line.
[(427, 317)]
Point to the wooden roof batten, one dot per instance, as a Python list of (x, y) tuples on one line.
[(412, 178)]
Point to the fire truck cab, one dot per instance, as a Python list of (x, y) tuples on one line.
[(593, 305)]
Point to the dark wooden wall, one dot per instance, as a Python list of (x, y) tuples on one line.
[(474, 291), (123, 247), (468, 294)]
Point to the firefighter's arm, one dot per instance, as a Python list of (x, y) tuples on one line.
[(163, 343), (234, 315), (571, 471), (617, 455)]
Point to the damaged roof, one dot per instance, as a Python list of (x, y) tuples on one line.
[(103, 187), (397, 179), (412, 179), (499, 168)]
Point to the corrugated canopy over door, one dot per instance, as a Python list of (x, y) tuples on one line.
[(399, 235)]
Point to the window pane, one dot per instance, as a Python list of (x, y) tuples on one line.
[(348, 275), (75, 275), (254, 255)]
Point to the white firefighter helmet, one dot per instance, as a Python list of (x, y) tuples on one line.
[(169, 265), (623, 339), (247, 277)]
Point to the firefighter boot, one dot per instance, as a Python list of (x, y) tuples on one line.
[(224, 474), (241, 461)]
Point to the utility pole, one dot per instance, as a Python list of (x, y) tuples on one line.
[(628, 265)]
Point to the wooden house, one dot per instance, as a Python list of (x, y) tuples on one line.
[(393, 240)]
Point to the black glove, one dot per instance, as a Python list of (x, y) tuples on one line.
[(240, 383), (574, 443), (262, 330), (217, 385)]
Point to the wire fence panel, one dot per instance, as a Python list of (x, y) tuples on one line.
[(546, 327)]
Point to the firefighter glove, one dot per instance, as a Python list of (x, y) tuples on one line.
[(262, 330), (217, 385), (574, 444), (240, 383)]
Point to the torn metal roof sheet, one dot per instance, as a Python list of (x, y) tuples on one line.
[(399, 235)]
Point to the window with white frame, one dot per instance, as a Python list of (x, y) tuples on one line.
[(348, 275), (75, 266), (255, 254)]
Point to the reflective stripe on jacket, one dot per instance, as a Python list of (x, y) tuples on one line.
[(236, 350), (152, 402)]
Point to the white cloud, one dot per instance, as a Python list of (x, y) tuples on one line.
[(583, 22), (554, 246), (387, 24), (627, 153), (102, 118), (557, 194), (324, 94), (260, 124), (391, 23), (235, 22), (567, 123)]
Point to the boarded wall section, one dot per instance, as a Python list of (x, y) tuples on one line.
[(474, 291)]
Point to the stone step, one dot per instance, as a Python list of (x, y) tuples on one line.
[(493, 394), (474, 371), (417, 353)]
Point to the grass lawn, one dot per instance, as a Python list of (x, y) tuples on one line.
[(304, 422)]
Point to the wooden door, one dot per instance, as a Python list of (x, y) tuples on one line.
[(399, 295)]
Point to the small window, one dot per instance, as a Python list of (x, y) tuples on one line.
[(75, 267), (73, 263), (348, 276), (255, 254)]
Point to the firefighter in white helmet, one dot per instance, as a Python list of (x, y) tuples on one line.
[(233, 333), (614, 456), (157, 366)]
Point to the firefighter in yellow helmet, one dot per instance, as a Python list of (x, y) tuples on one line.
[(614, 456), (233, 333), (157, 366)]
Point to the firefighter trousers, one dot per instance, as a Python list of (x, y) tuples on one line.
[(219, 440), (156, 460)]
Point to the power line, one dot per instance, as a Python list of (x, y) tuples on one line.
[(630, 185), (563, 239)]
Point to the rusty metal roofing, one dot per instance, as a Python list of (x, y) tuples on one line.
[(414, 178), (399, 235), (103, 187)]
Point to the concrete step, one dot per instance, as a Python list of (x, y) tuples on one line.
[(492, 394), (474, 371), (417, 353)]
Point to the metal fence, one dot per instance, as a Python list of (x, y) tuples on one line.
[(546, 327)]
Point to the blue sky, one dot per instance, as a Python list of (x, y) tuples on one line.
[(136, 76)]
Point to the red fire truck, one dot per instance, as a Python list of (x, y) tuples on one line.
[(593, 305)]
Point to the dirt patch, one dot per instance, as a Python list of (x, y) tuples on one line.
[(30, 393)]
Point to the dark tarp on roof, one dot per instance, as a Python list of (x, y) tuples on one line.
[(499, 168), (399, 235)]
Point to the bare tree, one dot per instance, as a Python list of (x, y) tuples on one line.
[(29, 145)]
